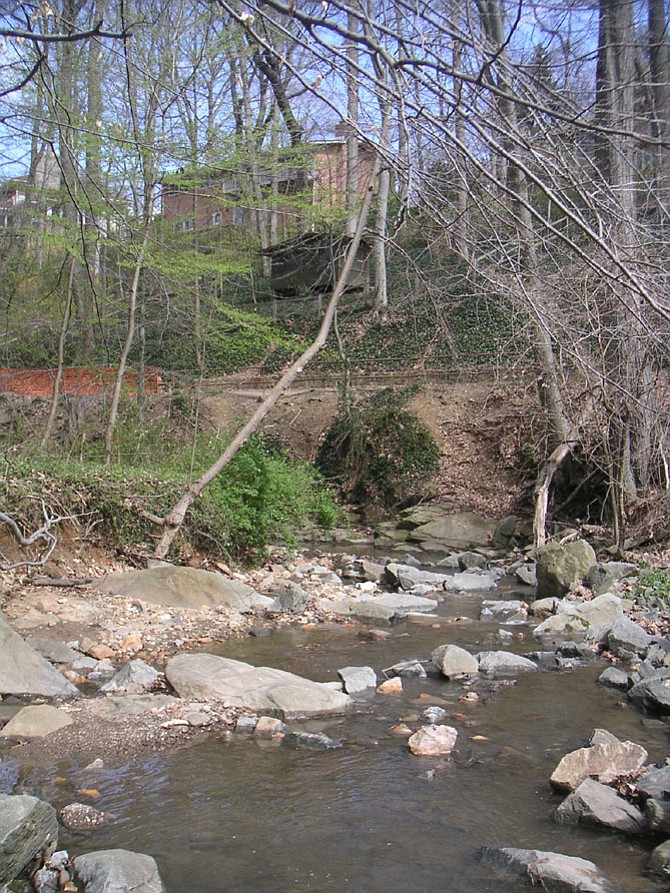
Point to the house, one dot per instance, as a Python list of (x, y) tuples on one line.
[(287, 193), (12, 200), (294, 207), (28, 198)]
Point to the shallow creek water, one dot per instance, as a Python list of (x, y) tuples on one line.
[(241, 815)]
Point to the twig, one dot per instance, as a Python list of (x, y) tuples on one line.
[(61, 582)]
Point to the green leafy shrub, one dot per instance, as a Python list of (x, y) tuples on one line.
[(653, 585), (379, 452), (262, 497)]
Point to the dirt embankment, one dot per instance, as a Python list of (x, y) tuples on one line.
[(482, 426)]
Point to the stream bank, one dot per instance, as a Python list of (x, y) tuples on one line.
[(189, 805)]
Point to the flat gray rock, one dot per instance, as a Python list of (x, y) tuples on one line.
[(593, 803), (471, 582), (511, 611), (261, 689), (552, 872), (357, 679), (388, 606), (118, 871), (36, 722), (183, 587), (116, 705), (56, 652), (25, 672), (504, 663), (458, 532), (28, 826), (409, 577), (402, 602)]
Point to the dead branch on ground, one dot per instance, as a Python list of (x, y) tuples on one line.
[(43, 535)]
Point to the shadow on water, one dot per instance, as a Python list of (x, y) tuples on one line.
[(241, 815)]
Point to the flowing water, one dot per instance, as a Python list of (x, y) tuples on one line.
[(239, 815)]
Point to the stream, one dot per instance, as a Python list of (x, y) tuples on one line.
[(235, 815)]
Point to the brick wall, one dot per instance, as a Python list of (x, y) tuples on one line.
[(78, 381)]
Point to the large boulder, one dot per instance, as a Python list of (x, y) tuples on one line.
[(655, 782), (593, 803), (628, 639), (453, 661), (28, 828), (580, 617), (559, 566), (604, 761), (184, 587), (552, 872), (261, 689), (25, 672), (452, 532), (118, 871), (653, 692)]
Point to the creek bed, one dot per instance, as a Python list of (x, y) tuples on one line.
[(239, 815)]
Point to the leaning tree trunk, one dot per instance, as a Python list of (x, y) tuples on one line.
[(174, 519)]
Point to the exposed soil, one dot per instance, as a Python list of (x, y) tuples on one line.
[(481, 426)]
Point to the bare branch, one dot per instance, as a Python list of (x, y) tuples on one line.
[(43, 535)]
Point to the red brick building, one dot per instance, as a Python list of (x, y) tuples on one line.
[(234, 198)]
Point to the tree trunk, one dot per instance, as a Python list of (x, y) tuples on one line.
[(65, 324), (127, 344)]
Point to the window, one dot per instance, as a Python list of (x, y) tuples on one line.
[(238, 217), (217, 218)]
